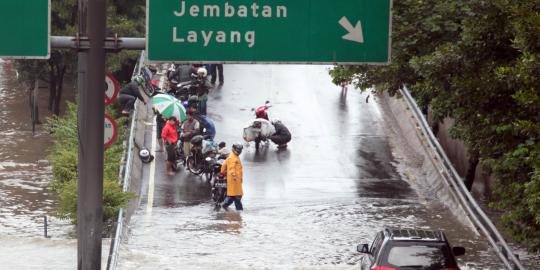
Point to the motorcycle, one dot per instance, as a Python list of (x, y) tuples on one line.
[(181, 90), (219, 187), (211, 157), (149, 89), (195, 161), (212, 165), (180, 157), (259, 131), (261, 111)]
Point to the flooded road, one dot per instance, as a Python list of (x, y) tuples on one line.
[(339, 182), (24, 176), (24, 173)]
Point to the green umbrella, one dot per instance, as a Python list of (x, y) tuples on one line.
[(169, 106)]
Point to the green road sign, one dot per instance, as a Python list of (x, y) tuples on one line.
[(264, 31), (25, 29)]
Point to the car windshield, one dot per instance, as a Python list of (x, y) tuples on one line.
[(428, 256)]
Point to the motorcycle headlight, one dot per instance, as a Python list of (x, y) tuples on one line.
[(208, 159)]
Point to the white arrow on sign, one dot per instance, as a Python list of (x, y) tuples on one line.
[(355, 33)]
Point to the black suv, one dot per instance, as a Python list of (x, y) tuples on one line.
[(406, 249)]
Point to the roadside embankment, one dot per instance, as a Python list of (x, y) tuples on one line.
[(429, 176), (417, 135)]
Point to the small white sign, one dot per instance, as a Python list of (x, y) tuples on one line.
[(111, 88), (110, 131)]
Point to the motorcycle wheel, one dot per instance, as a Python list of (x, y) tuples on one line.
[(222, 193), (194, 166), (257, 144), (208, 176)]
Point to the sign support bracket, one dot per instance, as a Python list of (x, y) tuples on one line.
[(112, 44)]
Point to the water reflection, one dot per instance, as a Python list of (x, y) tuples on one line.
[(306, 207), (24, 175), (232, 224)]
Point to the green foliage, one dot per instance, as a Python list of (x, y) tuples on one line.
[(477, 62), (63, 158), (125, 18)]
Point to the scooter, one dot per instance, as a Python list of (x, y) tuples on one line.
[(260, 112), (260, 129)]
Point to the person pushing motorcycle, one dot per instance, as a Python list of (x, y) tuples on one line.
[(189, 128), (233, 168)]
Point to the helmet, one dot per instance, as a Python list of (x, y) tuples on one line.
[(193, 98), (276, 121), (237, 148), (145, 156), (139, 79), (197, 140), (202, 72)]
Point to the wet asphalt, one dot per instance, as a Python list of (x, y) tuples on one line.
[(306, 207)]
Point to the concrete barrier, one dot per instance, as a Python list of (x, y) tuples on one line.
[(429, 174), (130, 172), (418, 135)]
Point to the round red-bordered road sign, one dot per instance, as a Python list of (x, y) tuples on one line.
[(111, 88), (110, 131)]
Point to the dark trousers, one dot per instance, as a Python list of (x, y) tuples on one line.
[(126, 102), (237, 202), (280, 139), (217, 68), (201, 107), (171, 152)]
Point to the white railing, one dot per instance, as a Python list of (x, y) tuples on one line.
[(477, 215), (124, 178)]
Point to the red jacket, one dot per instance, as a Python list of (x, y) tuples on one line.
[(169, 133)]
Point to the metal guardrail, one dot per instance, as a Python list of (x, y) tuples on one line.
[(477, 215), (125, 179)]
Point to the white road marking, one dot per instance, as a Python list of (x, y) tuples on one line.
[(150, 202)]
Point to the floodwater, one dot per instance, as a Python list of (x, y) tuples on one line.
[(339, 182), (24, 176)]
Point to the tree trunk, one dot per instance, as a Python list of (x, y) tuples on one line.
[(52, 86), (36, 99), (59, 89), (435, 128), (471, 171)]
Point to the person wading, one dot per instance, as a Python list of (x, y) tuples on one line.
[(170, 136), (233, 168)]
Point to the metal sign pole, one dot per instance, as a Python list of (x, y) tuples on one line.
[(92, 15)]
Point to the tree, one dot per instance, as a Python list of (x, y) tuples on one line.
[(518, 169), (476, 62), (125, 18)]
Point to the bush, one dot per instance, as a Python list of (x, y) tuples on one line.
[(63, 157)]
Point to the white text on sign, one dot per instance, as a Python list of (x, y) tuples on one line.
[(225, 10)]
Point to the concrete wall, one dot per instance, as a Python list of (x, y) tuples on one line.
[(137, 165), (457, 153), (425, 169)]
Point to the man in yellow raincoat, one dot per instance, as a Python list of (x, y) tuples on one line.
[(232, 166)]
